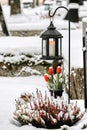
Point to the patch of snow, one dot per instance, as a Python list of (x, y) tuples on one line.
[(31, 71), (11, 88), (20, 46), (27, 20), (73, 6)]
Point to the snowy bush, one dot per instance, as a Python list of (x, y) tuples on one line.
[(44, 111)]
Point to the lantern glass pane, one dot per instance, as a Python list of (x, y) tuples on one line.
[(44, 48), (51, 47), (59, 47)]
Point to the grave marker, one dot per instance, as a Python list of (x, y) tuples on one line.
[(15, 6)]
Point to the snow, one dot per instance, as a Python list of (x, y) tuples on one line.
[(27, 20), (73, 6), (32, 45), (12, 87), (26, 44), (27, 1)]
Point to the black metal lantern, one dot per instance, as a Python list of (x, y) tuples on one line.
[(51, 43)]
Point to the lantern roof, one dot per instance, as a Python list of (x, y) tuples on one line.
[(51, 32)]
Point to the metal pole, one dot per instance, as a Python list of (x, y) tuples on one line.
[(84, 23), (84, 66), (69, 55)]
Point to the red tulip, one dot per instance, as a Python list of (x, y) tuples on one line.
[(46, 77), (59, 70), (51, 70)]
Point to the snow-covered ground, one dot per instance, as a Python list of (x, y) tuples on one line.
[(11, 88), (19, 45), (27, 19)]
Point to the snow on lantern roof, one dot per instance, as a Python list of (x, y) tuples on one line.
[(73, 6)]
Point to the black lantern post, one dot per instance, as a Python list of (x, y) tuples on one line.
[(52, 43), (84, 26)]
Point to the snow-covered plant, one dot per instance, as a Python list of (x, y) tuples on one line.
[(44, 111), (55, 81)]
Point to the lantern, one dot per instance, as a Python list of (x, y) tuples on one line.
[(51, 43)]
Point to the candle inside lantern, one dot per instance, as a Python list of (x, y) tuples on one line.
[(51, 47)]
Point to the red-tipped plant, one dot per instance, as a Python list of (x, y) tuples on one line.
[(55, 81)]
